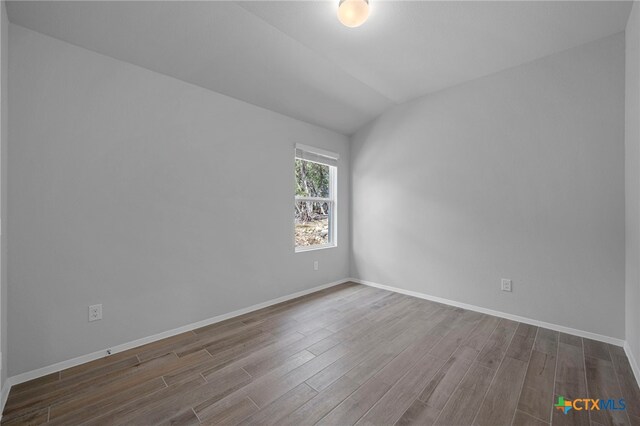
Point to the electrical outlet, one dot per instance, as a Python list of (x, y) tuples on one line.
[(316, 265), (95, 312), (506, 285)]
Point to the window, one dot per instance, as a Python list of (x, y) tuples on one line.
[(315, 198)]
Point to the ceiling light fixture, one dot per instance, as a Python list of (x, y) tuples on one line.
[(353, 13)]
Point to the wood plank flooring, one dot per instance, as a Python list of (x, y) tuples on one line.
[(346, 355)]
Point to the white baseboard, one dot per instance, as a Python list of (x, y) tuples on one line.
[(632, 361), (4, 394), (561, 328), (34, 374)]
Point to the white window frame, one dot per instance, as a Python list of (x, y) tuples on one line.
[(331, 200)]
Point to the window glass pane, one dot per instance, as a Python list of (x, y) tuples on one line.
[(312, 223), (312, 179)]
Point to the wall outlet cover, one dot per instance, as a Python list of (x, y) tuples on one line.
[(505, 285), (95, 312)]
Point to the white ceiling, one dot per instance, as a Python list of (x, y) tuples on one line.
[(297, 59)]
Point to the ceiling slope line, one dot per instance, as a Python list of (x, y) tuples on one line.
[(188, 83), (317, 54)]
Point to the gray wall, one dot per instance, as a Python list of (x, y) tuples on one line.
[(169, 204), (632, 180), (4, 110), (165, 202), (516, 175)]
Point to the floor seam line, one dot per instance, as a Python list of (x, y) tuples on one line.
[(586, 378), (525, 376), (494, 375), (615, 373), (466, 373)]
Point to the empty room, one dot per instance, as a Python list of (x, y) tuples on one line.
[(339, 212)]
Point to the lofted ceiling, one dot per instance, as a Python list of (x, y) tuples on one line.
[(295, 58)]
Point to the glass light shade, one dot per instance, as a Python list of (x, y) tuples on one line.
[(353, 13)]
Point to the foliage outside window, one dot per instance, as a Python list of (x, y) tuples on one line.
[(315, 206)]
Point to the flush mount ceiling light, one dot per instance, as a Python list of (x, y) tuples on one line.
[(353, 13)]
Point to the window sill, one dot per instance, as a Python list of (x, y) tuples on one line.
[(313, 248)]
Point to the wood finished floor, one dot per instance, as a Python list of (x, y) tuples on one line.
[(346, 355)]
